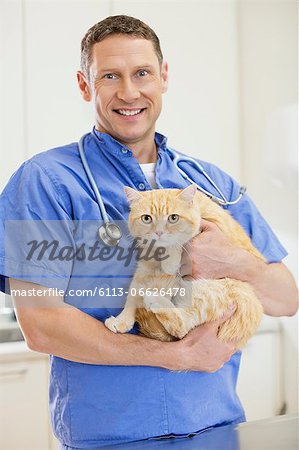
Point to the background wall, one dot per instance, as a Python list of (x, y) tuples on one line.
[(198, 39), (232, 97), (268, 76)]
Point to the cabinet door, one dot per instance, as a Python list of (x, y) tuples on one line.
[(24, 406)]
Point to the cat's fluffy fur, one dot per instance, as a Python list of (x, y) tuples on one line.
[(167, 317)]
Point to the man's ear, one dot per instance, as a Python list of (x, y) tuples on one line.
[(132, 194), (164, 76), (84, 86), (188, 193)]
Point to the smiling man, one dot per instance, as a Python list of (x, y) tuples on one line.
[(108, 388), (125, 80)]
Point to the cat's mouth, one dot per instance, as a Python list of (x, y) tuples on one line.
[(154, 241)]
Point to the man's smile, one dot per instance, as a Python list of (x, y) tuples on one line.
[(129, 112)]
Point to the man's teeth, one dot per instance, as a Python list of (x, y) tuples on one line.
[(131, 112)]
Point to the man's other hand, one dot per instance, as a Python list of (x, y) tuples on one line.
[(201, 350), (210, 254)]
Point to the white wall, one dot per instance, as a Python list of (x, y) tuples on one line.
[(268, 96), (199, 41), (42, 105), (268, 58), (12, 127)]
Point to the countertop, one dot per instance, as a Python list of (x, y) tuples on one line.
[(277, 433), (18, 351)]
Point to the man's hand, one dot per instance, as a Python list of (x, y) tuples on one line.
[(202, 351), (209, 255)]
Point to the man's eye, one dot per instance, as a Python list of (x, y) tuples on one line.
[(110, 76), (142, 73)]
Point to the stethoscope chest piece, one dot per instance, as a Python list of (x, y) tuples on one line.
[(110, 234)]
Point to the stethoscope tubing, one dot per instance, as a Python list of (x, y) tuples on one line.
[(176, 159), (91, 179), (104, 230)]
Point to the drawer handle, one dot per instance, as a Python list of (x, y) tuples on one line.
[(14, 373)]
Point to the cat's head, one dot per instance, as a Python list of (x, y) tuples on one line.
[(166, 216)]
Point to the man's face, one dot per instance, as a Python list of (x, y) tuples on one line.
[(126, 83)]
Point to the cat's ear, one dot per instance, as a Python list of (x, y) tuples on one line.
[(132, 194), (188, 193)]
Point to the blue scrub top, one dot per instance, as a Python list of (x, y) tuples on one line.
[(49, 198)]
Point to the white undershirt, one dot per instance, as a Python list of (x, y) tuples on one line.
[(149, 172)]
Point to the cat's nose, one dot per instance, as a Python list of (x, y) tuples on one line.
[(159, 233)]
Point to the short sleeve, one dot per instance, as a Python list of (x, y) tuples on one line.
[(35, 227)]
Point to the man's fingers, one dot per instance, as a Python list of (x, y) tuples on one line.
[(187, 252), (205, 225), (186, 261), (186, 270)]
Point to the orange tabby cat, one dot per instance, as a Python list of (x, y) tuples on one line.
[(165, 305)]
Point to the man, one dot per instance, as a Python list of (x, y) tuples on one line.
[(110, 388)]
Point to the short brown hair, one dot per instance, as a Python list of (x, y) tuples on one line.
[(116, 25)]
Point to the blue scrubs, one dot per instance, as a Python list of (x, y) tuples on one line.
[(50, 197)]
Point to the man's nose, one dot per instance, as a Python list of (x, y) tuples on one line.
[(127, 91)]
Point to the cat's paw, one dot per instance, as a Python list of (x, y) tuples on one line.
[(152, 303), (170, 268), (118, 325)]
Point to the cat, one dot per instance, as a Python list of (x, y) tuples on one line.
[(165, 305)]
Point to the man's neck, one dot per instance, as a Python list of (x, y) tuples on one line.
[(146, 154), (145, 150)]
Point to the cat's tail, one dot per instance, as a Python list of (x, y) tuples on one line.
[(247, 317)]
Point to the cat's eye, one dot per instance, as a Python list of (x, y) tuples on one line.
[(146, 218), (173, 218)]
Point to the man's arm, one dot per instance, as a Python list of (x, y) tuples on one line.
[(51, 326), (213, 256), (273, 283)]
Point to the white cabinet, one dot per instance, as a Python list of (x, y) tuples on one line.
[(260, 379), (24, 417)]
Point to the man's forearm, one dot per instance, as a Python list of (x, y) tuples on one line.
[(273, 283), (69, 333), (50, 326)]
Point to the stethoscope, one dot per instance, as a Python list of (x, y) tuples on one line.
[(110, 233)]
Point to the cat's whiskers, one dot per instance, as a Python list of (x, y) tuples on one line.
[(183, 248)]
